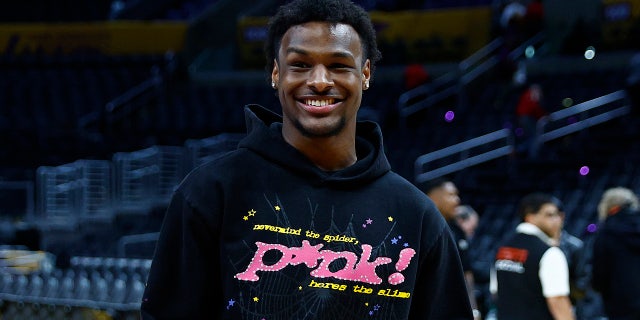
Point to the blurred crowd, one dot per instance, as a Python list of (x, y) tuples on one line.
[(541, 271)]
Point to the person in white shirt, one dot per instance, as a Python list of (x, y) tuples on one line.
[(530, 277)]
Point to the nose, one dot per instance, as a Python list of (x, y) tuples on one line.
[(320, 79)]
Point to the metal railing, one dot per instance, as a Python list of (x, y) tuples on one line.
[(467, 154), (451, 83), (579, 117), (500, 143)]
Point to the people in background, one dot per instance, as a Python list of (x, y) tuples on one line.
[(467, 219), (415, 75), (573, 249), (616, 254), (445, 196), (512, 16), (511, 31), (528, 111), (530, 275)]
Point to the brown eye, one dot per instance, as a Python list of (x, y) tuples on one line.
[(340, 66), (300, 65)]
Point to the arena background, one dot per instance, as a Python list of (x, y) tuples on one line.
[(106, 105)]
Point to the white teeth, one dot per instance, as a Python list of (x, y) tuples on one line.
[(319, 103)]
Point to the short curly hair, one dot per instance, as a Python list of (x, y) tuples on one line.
[(533, 202), (298, 12)]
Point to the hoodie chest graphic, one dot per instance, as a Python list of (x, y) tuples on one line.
[(331, 254)]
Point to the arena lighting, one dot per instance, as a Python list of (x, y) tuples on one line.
[(590, 53), (529, 52), (584, 170), (449, 115), (592, 227)]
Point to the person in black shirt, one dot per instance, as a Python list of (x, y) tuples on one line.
[(616, 254), (445, 195)]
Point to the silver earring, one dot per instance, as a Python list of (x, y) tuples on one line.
[(273, 84), (366, 84)]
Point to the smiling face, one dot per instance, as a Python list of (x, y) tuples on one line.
[(320, 76)]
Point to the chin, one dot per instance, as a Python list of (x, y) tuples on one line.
[(321, 131)]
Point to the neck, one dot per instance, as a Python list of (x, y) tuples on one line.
[(328, 154)]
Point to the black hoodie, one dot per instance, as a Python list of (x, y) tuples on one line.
[(616, 264), (262, 233)]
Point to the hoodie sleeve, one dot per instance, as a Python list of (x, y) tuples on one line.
[(183, 265), (441, 292)]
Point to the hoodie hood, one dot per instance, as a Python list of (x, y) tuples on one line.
[(264, 137), (626, 226)]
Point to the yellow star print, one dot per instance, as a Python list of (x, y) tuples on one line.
[(390, 218), (256, 299), (277, 208)]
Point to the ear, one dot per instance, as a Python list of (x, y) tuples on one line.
[(275, 74), (366, 74)]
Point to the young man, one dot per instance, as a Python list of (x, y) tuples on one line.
[(531, 272), (305, 220), (445, 195)]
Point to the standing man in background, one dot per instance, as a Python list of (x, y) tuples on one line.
[(531, 276), (445, 195), (306, 220)]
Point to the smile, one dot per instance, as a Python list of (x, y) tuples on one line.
[(319, 103)]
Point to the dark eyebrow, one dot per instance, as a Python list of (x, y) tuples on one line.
[(296, 50), (337, 54)]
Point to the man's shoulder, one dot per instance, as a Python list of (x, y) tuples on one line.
[(395, 180), (571, 241), (216, 165), (457, 231)]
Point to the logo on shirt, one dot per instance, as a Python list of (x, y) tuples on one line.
[(360, 269), (511, 259)]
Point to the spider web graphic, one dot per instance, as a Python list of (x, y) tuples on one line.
[(281, 294)]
